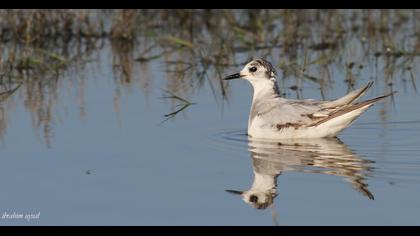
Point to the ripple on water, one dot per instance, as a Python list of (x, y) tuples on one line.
[(384, 151)]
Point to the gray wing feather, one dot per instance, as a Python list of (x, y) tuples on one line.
[(280, 111)]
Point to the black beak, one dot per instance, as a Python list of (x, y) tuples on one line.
[(234, 76), (234, 192)]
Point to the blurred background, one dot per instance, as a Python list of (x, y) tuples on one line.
[(194, 47)]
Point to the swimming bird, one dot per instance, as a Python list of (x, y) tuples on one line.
[(275, 117)]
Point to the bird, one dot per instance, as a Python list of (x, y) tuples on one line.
[(275, 117)]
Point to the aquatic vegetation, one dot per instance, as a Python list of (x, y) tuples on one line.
[(183, 104)]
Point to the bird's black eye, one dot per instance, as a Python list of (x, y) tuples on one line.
[(253, 199), (253, 69)]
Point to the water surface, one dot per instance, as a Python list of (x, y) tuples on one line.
[(91, 149)]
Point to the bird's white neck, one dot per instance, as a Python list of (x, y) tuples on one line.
[(263, 182), (265, 89)]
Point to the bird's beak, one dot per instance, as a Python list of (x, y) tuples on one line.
[(234, 76), (234, 192)]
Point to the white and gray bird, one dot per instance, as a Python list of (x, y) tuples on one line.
[(275, 117)]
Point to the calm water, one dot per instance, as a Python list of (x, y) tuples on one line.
[(102, 156)]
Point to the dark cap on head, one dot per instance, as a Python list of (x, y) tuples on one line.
[(268, 66)]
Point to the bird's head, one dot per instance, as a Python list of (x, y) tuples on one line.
[(258, 70), (256, 198)]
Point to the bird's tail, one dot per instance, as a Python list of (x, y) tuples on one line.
[(349, 98)]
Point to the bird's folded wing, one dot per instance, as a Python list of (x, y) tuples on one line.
[(347, 99), (331, 113), (291, 113)]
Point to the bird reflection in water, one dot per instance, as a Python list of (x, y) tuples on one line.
[(324, 156)]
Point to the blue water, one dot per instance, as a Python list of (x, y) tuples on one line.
[(108, 160)]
